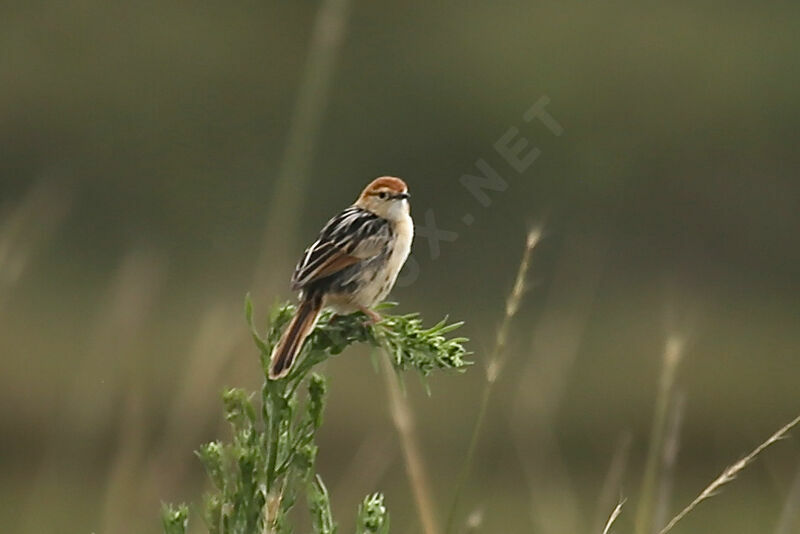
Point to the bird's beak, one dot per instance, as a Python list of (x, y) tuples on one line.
[(402, 196)]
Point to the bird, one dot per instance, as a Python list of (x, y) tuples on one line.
[(352, 265)]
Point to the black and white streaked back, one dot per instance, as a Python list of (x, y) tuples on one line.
[(355, 231)]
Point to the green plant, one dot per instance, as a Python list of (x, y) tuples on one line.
[(258, 475)]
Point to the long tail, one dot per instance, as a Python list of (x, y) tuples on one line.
[(287, 349)]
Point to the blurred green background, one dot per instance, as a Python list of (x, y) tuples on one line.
[(144, 189)]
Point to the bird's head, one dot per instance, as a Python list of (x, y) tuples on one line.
[(386, 197)]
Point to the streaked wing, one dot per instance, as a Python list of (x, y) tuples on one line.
[(353, 235)]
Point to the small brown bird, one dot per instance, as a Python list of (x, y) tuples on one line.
[(351, 266)]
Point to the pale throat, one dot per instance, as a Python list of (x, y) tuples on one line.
[(404, 229)]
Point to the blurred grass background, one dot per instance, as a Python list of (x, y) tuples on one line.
[(142, 149)]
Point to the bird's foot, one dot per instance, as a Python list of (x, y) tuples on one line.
[(373, 317)]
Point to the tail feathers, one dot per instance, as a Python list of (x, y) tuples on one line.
[(287, 349)]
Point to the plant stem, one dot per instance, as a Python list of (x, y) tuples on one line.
[(644, 514), (613, 517), (404, 423), (291, 183), (496, 362), (730, 473), (274, 430)]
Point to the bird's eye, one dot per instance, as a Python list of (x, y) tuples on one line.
[(383, 195)]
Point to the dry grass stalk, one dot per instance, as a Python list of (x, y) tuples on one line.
[(120, 324), (673, 352), (542, 382), (669, 458), (613, 517), (495, 366), (26, 227), (474, 520), (291, 183), (787, 524), (213, 348), (729, 474), (498, 357), (403, 420), (613, 479), (368, 465)]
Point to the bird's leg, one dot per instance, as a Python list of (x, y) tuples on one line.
[(374, 317)]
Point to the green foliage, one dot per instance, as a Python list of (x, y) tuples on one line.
[(174, 518), (258, 475), (372, 516), (319, 504), (413, 347)]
